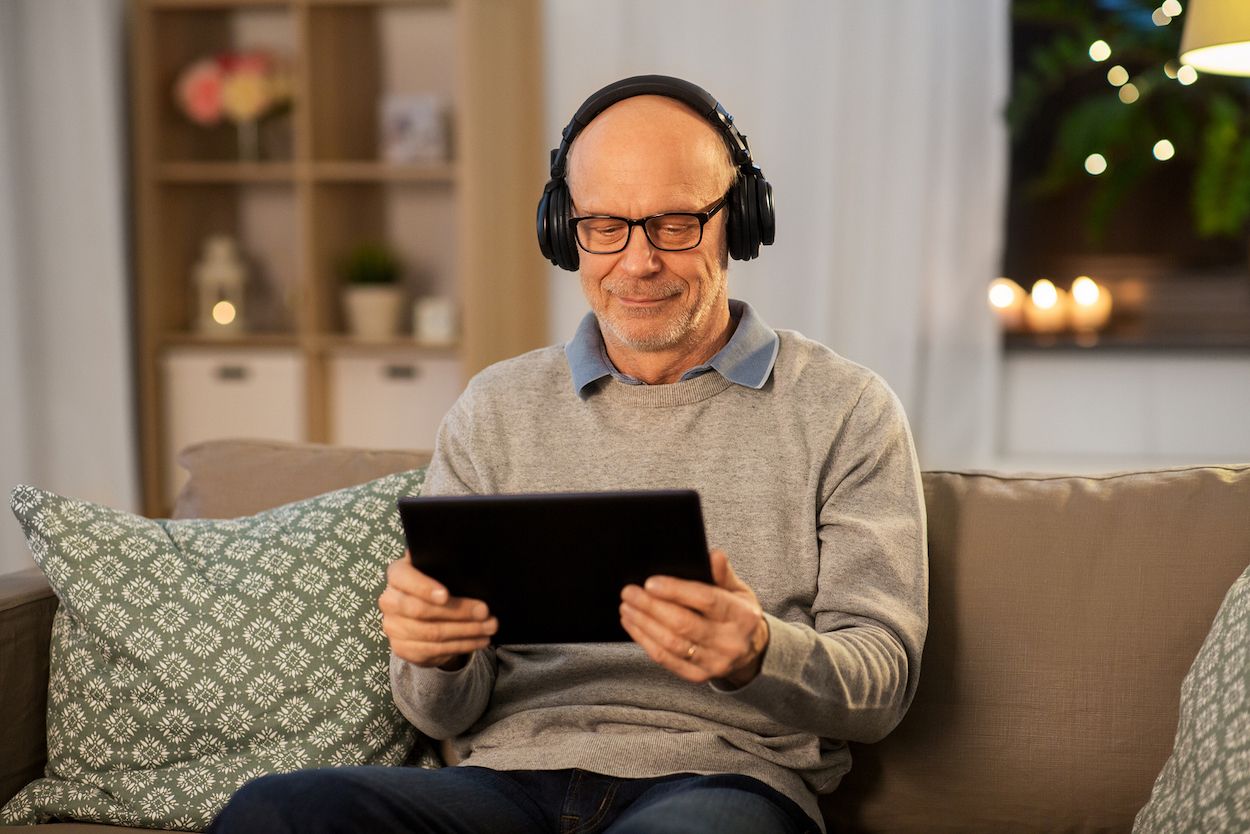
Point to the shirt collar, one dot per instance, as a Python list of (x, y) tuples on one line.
[(746, 359)]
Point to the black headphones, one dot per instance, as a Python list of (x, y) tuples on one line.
[(749, 203)]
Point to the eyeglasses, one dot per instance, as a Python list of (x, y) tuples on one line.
[(674, 231)]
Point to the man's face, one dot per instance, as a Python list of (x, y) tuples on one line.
[(644, 156)]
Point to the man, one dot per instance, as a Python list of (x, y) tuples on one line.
[(731, 708)]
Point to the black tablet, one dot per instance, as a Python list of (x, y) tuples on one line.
[(551, 566)]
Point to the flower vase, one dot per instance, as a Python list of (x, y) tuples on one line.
[(249, 141)]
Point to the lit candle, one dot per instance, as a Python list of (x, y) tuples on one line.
[(1091, 305), (1007, 300), (1047, 308)]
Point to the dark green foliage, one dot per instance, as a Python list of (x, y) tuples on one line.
[(1059, 91), (370, 263)]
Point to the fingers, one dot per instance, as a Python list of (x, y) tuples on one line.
[(397, 602), (425, 624), (675, 663), (403, 576), (723, 574), (425, 631)]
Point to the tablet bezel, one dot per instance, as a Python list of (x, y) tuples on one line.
[(551, 566)]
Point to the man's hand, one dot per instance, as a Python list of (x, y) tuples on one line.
[(426, 625), (697, 631)]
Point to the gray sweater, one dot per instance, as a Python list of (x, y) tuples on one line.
[(811, 486)]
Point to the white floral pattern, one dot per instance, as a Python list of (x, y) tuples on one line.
[(190, 656), (1205, 785)]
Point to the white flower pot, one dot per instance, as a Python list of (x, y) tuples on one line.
[(373, 311)]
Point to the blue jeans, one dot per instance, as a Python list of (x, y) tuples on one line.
[(469, 800)]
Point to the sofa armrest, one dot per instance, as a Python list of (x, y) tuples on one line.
[(26, 608)]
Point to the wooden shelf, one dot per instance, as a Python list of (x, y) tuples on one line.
[(369, 171), (226, 172), (319, 192), (430, 3), (179, 5), (243, 342), (343, 343)]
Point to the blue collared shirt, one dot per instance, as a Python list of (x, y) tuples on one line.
[(746, 359)]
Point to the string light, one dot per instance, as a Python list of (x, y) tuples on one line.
[(1117, 75), (1129, 93), (1187, 75), (1163, 150), (1099, 51), (1171, 8), (1161, 18), (1095, 163), (1169, 69)]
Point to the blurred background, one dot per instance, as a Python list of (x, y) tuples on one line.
[(312, 220)]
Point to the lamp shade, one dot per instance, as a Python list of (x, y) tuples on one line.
[(1217, 36)]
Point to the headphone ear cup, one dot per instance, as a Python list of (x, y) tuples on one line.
[(737, 219), (766, 211), (569, 257), (752, 241), (543, 221)]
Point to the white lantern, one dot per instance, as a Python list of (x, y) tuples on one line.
[(219, 279)]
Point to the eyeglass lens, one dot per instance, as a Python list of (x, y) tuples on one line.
[(605, 235)]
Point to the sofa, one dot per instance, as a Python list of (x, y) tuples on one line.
[(1064, 612)]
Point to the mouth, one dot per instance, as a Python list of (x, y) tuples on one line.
[(642, 302)]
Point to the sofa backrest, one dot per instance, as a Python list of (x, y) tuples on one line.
[(232, 478), (1064, 612)]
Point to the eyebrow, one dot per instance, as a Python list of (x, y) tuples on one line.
[(578, 210)]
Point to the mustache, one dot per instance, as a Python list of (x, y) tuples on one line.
[(650, 290)]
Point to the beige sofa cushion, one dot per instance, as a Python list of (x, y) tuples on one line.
[(1065, 612), (231, 478)]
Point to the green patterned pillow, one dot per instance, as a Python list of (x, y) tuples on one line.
[(1205, 785), (191, 656)]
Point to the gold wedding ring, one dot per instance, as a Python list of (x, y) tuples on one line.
[(694, 647)]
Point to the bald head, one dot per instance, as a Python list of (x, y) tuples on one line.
[(649, 138)]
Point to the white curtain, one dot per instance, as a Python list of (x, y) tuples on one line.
[(66, 423), (880, 127)]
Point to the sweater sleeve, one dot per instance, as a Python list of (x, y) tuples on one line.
[(439, 703), (852, 674)]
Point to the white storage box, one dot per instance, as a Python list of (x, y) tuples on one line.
[(215, 393), (390, 401)]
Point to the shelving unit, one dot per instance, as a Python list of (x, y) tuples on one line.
[(463, 228)]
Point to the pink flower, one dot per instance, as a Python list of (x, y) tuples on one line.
[(198, 92), (240, 86)]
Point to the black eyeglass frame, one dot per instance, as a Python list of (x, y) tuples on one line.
[(702, 216)]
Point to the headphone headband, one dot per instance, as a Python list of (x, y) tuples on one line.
[(692, 95)]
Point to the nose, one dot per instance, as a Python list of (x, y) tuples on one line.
[(639, 258)]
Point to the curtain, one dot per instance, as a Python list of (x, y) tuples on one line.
[(65, 354), (880, 127)]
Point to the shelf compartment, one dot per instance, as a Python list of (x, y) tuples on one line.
[(261, 217), (417, 223), (193, 30), (365, 51)]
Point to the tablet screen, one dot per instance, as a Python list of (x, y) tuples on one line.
[(551, 566)]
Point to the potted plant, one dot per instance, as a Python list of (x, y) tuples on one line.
[(372, 297)]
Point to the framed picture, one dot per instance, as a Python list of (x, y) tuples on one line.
[(414, 128)]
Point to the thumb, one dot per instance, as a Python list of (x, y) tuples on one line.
[(722, 574)]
